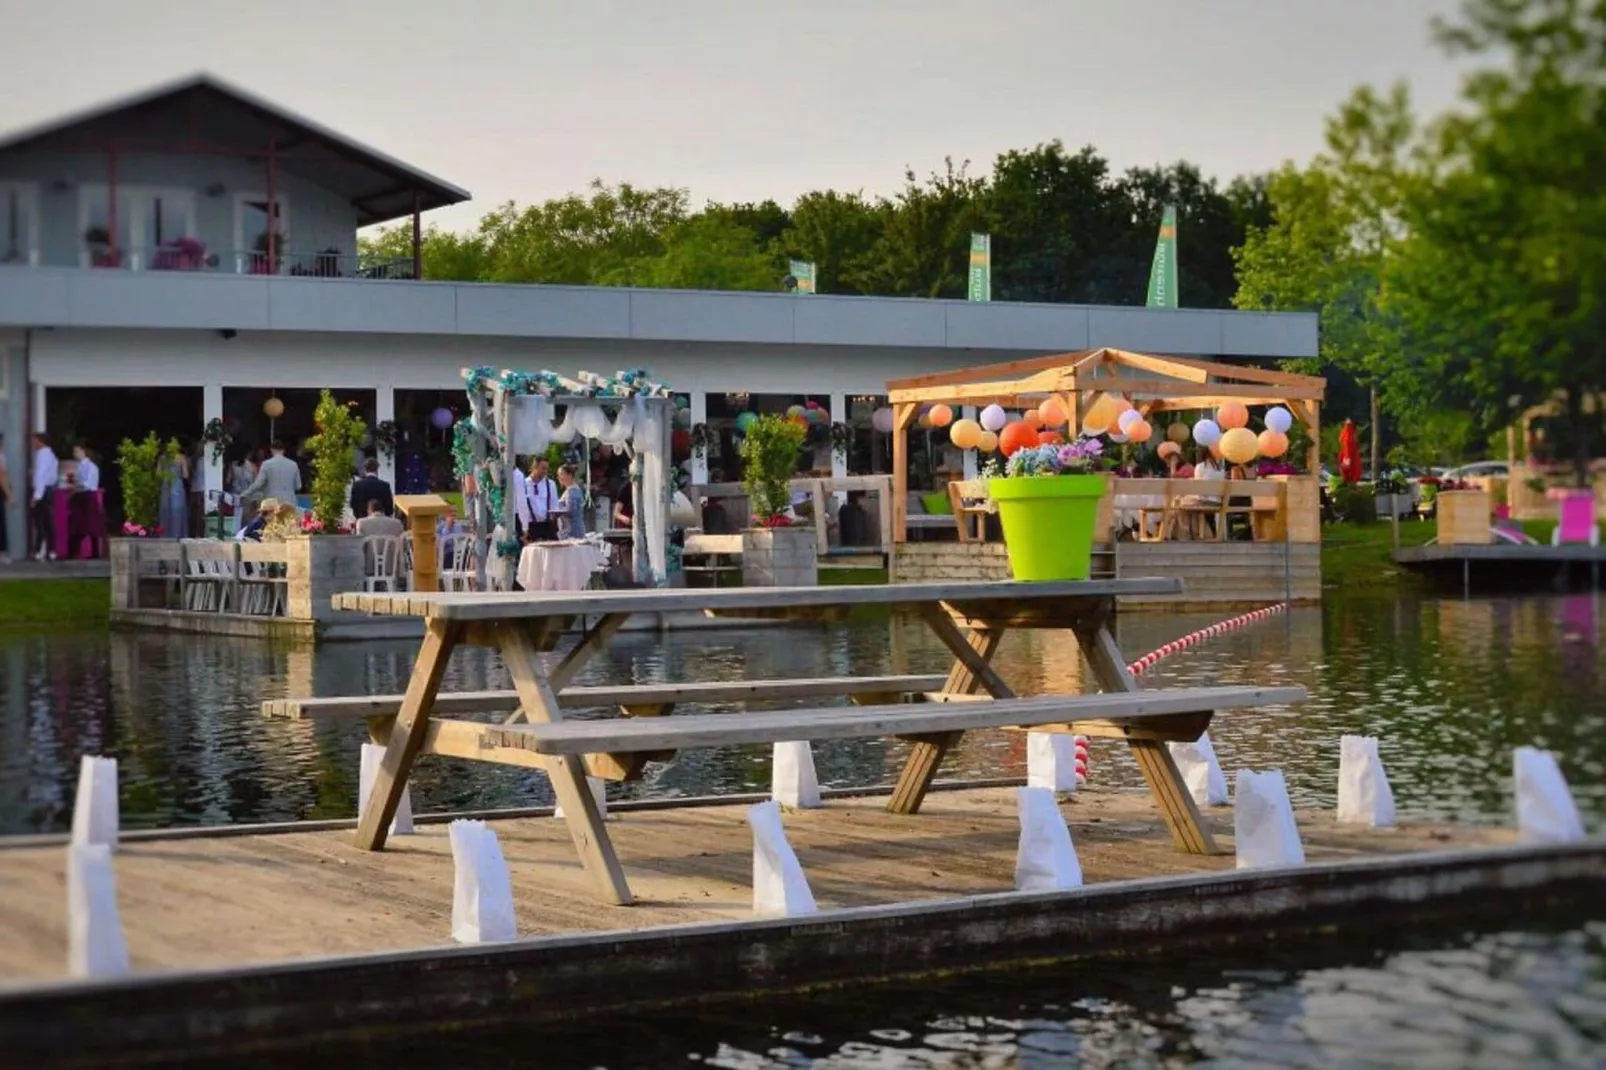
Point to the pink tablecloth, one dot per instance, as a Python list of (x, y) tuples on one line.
[(60, 506)]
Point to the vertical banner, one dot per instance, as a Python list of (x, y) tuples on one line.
[(1163, 275), (802, 276), (981, 267)]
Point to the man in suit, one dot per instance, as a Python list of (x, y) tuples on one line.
[(370, 488), (279, 477), (375, 522)]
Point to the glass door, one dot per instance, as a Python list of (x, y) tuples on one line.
[(160, 227)]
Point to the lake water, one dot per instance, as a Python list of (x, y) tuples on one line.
[(1450, 686)]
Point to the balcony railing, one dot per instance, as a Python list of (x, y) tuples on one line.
[(189, 255)]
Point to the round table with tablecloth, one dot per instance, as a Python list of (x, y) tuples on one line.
[(558, 566)]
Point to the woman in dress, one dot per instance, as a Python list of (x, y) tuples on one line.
[(571, 504), (173, 512)]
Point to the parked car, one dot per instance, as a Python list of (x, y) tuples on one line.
[(1480, 470)]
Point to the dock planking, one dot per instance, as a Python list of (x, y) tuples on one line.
[(256, 898)]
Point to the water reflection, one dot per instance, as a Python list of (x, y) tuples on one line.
[(1450, 687)]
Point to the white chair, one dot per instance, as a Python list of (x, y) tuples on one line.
[(382, 557), (404, 581), (457, 562)]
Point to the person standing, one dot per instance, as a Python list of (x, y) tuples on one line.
[(84, 517), (46, 472), (5, 504), (370, 488), (279, 477), (571, 504), (539, 507), (173, 511)]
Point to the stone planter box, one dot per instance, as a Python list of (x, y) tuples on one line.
[(777, 557), (144, 572), (1463, 517), (320, 567)]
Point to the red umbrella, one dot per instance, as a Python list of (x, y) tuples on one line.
[(1349, 453)]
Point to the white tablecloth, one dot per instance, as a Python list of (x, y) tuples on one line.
[(557, 566)]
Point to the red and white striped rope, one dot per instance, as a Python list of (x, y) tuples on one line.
[(1137, 668)]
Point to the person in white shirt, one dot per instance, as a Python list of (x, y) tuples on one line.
[(538, 504), (85, 520), (46, 473)]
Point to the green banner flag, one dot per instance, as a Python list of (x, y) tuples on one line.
[(981, 267), (802, 276), (1163, 275)]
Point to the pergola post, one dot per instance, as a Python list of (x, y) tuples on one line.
[(903, 418)]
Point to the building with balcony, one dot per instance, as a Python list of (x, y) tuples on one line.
[(191, 252)]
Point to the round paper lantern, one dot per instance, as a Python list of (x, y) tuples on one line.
[(965, 433), (1206, 432), (1101, 415), (273, 408), (745, 420), (987, 441), (1177, 432), (1232, 414), (1128, 418), (1139, 430), (941, 416), (1019, 435), (799, 419), (1273, 443), (1050, 438), (993, 418), (1168, 449), (1032, 420), (1279, 420), (1239, 445), (795, 410), (1118, 438), (441, 418), (818, 415), (1053, 413), (811, 404), (881, 420), (923, 421)]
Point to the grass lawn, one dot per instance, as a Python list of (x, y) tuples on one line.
[(45, 605), (1357, 556)]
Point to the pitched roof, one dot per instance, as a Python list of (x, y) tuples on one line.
[(220, 118)]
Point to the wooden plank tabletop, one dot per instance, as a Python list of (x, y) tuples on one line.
[(505, 605)]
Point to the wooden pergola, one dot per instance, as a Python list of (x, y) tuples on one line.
[(1153, 384)]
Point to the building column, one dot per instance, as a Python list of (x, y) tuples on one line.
[(212, 409), (968, 412), (385, 409), (699, 418), (839, 413), (38, 412)]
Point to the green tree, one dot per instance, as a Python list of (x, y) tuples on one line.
[(837, 233), (709, 252), (924, 246), (334, 458)]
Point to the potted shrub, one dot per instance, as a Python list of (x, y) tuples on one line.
[(1048, 504), (141, 471), (776, 550), (322, 562)]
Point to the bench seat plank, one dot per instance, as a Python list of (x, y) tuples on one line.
[(466, 702), (860, 722)]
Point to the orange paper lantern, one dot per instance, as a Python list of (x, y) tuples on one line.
[(1031, 419), (1239, 445), (1273, 443), (942, 416), (1053, 413), (1232, 414), (987, 441), (1178, 432), (1139, 431), (964, 433), (1050, 438), (1017, 436), (1101, 415)]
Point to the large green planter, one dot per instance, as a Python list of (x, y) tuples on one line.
[(1048, 523)]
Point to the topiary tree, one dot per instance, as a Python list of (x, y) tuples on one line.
[(769, 460), (141, 470), (334, 458)]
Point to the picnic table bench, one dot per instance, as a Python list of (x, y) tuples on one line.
[(969, 619)]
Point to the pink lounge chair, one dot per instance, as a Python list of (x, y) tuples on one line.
[(1575, 524)]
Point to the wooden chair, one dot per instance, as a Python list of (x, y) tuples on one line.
[(971, 503)]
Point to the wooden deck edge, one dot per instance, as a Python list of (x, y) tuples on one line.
[(160, 1018), (620, 806)]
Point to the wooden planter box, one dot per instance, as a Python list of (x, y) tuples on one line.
[(780, 557), (1464, 517), (320, 567), (1303, 519)]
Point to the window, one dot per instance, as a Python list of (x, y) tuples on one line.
[(147, 220), (19, 223), (252, 216)]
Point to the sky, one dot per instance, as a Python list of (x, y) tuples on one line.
[(739, 101)]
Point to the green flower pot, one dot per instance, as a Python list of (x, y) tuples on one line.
[(1048, 524)]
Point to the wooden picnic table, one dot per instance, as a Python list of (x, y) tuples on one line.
[(969, 619)]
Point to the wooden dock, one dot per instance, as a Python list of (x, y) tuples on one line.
[(1506, 565), (249, 940)]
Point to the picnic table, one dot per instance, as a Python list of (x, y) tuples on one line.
[(970, 619)]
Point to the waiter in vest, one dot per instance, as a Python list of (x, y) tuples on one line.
[(539, 500)]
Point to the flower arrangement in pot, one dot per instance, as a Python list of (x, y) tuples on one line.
[(1048, 503)]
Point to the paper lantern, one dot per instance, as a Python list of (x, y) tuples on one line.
[(1279, 420), (1127, 419), (1177, 432), (680, 441), (441, 418), (923, 421), (818, 415), (1168, 449), (1206, 432), (1273, 443), (1019, 435), (987, 441), (273, 408), (941, 416), (881, 420), (745, 420), (1032, 420), (1050, 438), (1118, 438), (993, 418), (1101, 415), (1239, 445), (1232, 414), (811, 404), (1053, 413), (965, 433), (799, 419), (1139, 430)]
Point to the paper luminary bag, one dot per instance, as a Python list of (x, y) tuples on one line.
[(1046, 859), (95, 813), (368, 772), (1364, 795), (1263, 821), (1051, 762), (780, 889), (1546, 812), (482, 891), (1197, 763), (793, 781), (95, 943)]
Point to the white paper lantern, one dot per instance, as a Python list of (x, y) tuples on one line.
[(993, 418), (881, 420), (1127, 419), (1279, 420), (1207, 432)]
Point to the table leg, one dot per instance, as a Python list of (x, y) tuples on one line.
[(595, 638), (567, 772), (412, 722), (1165, 781), (972, 668)]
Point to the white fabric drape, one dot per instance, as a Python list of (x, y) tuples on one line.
[(652, 508), (531, 431)]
